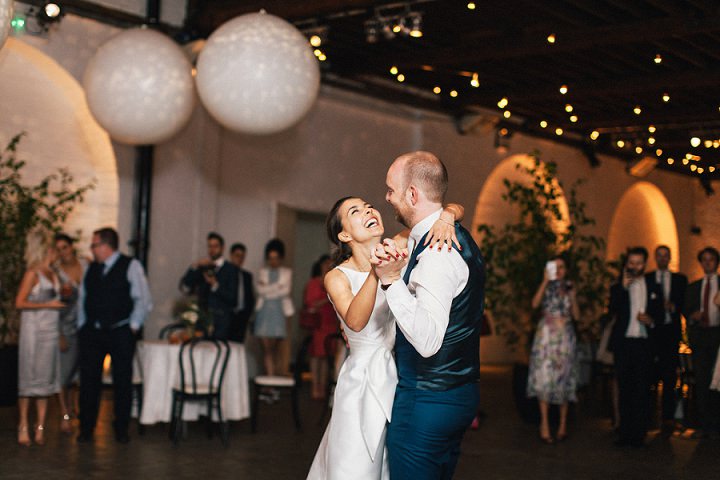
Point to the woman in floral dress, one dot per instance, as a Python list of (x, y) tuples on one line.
[(553, 376)]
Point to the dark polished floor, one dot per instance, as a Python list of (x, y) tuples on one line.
[(503, 448)]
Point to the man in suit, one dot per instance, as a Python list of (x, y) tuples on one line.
[(246, 294), (634, 302), (438, 303), (665, 336), (114, 300), (215, 282), (703, 319)]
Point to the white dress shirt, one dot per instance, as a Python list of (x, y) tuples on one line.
[(422, 307), (663, 277), (638, 304), (713, 312)]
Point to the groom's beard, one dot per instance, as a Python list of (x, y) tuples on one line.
[(399, 217)]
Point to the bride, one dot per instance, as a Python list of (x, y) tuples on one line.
[(353, 446)]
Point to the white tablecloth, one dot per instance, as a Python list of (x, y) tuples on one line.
[(161, 372)]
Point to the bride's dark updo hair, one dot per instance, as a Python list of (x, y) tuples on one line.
[(333, 223)]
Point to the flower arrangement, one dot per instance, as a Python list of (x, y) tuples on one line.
[(197, 320)]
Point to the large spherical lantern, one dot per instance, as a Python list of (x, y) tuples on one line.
[(6, 13), (139, 87), (257, 74)]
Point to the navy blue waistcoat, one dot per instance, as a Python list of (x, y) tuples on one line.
[(107, 297), (458, 360)]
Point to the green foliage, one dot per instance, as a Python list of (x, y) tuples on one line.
[(516, 254), (23, 208)]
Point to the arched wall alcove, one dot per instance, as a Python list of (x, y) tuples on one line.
[(643, 216), (41, 98), (491, 209)]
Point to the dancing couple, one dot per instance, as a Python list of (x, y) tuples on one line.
[(411, 309)]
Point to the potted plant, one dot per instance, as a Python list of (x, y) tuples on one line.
[(46, 204), (550, 221)]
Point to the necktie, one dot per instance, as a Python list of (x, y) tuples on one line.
[(705, 321)]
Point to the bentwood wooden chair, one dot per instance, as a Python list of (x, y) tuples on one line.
[(287, 384), (203, 384)]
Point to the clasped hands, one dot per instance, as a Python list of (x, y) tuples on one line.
[(388, 260)]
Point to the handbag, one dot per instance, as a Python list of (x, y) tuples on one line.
[(308, 318)]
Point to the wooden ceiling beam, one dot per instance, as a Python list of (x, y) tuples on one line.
[(567, 41)]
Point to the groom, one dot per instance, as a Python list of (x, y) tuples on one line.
[(438, 307)]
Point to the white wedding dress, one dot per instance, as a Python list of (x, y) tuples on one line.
[(353, 446)]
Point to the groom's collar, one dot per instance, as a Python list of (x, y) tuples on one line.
[(423, 226)]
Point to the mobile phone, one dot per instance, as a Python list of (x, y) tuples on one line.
[(551, 269)]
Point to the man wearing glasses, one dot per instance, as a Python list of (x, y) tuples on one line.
[(114, 302)]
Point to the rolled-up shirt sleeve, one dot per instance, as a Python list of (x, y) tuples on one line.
[(422, 307), (140, 293)]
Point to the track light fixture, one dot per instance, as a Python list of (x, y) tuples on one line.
[(388, 22)]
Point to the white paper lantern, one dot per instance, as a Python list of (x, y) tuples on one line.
[(139, 87), (6, 15), (257, 74)]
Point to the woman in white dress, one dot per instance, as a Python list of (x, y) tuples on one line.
[(39, 353), (353, 446)]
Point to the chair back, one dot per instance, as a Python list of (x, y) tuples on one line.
[(202, 366), (301, 360)]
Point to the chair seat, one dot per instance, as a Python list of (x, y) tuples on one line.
[(200, 390), (274, 381)]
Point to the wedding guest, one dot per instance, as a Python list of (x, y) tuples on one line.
[(666, 334), (246, 294), (274, 306), (215, 282), (70, 269), (39, 355), (114, 300), (553, 376), (316, 299), (634, 302), (703, 317)]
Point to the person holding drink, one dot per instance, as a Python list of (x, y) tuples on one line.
[(553, 376)]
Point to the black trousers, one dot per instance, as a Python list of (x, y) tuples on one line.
[(633, 364), (94, 345), (667, 360), (705, 343)]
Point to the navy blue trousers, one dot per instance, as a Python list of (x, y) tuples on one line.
[(423, 439)]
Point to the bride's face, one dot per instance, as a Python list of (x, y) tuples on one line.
[(360, 221)]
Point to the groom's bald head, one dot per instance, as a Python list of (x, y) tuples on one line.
[(425, 171)]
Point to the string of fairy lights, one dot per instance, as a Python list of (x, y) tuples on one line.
[(623, 142)]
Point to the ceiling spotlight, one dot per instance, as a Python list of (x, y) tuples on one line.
[(507, 114), (637, 110), (666, 97), (416, 28), (573, 118), (393, 70), (620, 143), (638, 149), (693, 167), (315, 41), (371, 31), (397, 28), (658, 58), (401, 78), (700, 170), (658, 152), (551, 38), (563, 89), (558, 131), (670, 160), (49, 13), (475, 82), (471, 5), (322, 57), (503, 102), (543, 124), (568, 108), (685, 161), (695, 141), (453, 93), (651, 140), (708, 143), (594, 135), (711, 169), (651, 129), (437, 90)]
